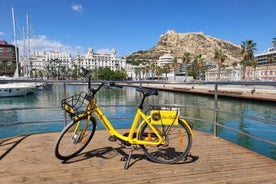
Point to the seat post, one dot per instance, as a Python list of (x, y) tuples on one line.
[(142, 101)]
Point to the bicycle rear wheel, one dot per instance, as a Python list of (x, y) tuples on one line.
[(72, 141), (178, 142)]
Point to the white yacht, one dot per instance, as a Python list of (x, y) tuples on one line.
[(16, 89)]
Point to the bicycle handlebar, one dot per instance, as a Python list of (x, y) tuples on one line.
[(87, 74)]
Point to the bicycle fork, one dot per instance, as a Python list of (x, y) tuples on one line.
[(77, 138)]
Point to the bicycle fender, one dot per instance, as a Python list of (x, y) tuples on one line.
[(189, 126)]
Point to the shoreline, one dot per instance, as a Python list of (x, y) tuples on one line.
[(253, 93)]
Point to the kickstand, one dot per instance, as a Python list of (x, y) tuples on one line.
[(134, 147)]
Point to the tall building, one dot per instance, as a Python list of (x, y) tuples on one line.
[(92, 60), (7, 58)]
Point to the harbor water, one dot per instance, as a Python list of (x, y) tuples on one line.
[(41, 112)]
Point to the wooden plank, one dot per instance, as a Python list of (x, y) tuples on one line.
[(30, 159)]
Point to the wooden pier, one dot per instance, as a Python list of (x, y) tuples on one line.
[(30, 159)]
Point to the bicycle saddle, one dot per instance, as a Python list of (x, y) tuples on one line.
[(148, 91)]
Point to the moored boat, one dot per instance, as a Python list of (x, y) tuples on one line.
[(16, 89)]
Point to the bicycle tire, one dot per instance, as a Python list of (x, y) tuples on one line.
[(178, 143), (68, 144)]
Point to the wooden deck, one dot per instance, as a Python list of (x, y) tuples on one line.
[(30, 159)]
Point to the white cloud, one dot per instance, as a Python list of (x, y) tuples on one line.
[(2, 34), (42, 43), (77, 7)]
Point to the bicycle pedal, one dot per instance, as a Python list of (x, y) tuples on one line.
[(113, 138)]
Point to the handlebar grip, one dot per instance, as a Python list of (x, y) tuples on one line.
[(85, 71)]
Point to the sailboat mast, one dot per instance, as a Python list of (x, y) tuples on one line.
[(15, 41), (28, 46)]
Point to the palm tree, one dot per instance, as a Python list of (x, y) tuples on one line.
[(220, 57), (158, 71), (186, 60), (248, 48), (270, 58), (147, 69), (143, 70), (199, 64), (137, 71), (166, 70), (254, 65), (234, 65), (175, 66), (153, 69)]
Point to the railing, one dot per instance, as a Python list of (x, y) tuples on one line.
[(215, 109)]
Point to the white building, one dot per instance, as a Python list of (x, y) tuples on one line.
[(228, 74), (92, 60), (261, 59), (64, 57), (166, 59)]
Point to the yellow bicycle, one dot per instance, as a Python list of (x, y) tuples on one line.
[(163, 135)]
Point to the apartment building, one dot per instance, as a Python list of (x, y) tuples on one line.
[(7, 58), (93, 60)]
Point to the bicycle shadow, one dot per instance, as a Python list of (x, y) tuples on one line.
[(8, 144), (110, 152)]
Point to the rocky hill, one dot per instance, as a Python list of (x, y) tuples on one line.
[(195, 43)]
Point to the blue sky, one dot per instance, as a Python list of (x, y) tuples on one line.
[(133, 25)]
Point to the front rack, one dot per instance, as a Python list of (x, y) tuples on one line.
[(75, 104)]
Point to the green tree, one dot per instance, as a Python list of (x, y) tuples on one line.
[(248, 48), (175, 66), (158, 71), (166, 70), (254, 65), (186, 60), (270, 59), (107, 74), (220, 57), (104, 73), (153, 69), (199, 64), (137, 72)]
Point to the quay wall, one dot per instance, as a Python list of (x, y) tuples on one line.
[(252, 92)]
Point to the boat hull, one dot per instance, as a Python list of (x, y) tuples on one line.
[(16, 89)]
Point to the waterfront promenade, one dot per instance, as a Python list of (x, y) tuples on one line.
[(30, 159), (233, 91)]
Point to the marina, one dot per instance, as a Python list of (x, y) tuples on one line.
[(240, 148), (237, 118), (211, 79)]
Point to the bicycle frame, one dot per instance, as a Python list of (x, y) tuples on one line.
[(135, 127)]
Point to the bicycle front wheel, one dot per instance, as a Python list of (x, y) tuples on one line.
[(74, 138), (178, 142)]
